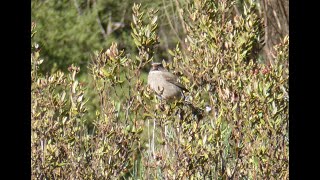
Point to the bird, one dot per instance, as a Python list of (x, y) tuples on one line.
[(167, 87), (164, 83)]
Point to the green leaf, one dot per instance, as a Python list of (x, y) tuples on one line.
[(138, 43), (185, 79), (134, 18), (105, 73), (171, 52), (154, 20), (61, 164), (145, 115)]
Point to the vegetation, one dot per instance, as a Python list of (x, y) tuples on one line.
[(110, 125)]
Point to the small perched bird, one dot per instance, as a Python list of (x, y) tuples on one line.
[(164, 83)]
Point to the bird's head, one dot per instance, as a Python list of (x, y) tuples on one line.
[(156, 66)]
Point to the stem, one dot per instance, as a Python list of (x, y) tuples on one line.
[(180, 16), (170, 24), (153, 132)]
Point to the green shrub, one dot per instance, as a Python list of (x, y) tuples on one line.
[(240, 128), (69, 31)]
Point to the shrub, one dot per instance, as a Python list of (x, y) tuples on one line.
[(239, 128)]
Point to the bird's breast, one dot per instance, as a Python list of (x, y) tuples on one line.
[(161, 86)]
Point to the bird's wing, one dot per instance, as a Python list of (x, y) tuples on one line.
[(173, 79)]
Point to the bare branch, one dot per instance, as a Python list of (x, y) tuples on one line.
[(101, 27), (171, 26)]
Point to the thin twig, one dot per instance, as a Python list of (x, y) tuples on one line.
[(235, 167), (236, 10), (149, 152), (266, 36), (153, 132), (282, 8), (170, 24), (277, 19), (180, 16), (104, 34)]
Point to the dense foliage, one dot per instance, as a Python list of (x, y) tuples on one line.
[(240, 132), (69, 31)]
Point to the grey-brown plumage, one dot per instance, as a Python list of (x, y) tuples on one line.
[(164, 83)]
